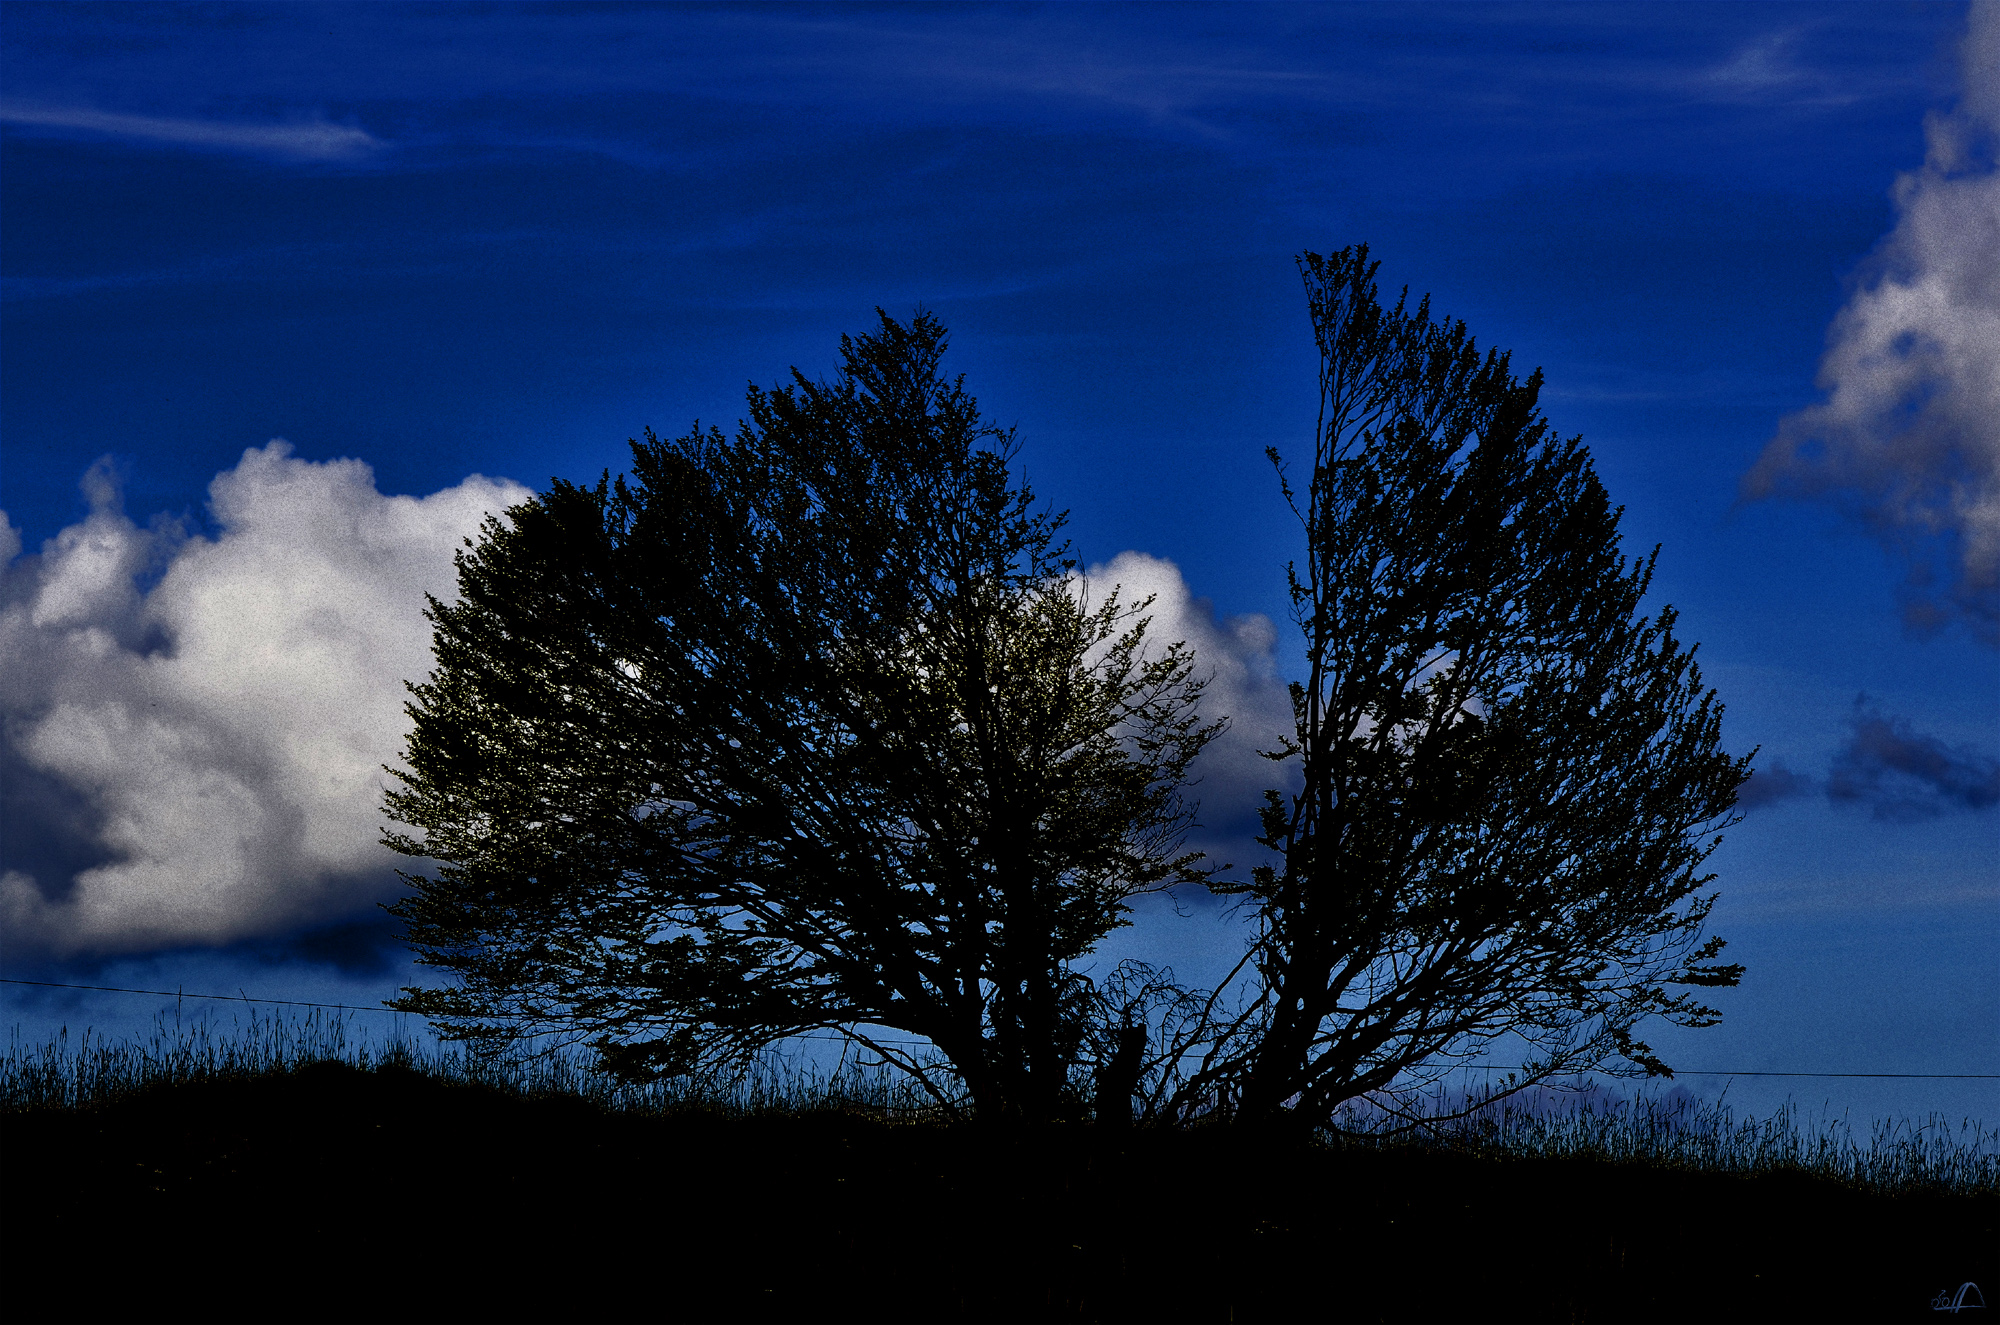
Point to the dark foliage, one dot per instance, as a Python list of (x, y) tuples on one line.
[(1510, 778), (806, 728), (337, 1195)]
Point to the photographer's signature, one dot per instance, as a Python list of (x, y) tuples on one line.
[(1966, 1298)]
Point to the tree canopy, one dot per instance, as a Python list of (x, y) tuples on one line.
[(815, 728), (1509, 776), (812, 727)]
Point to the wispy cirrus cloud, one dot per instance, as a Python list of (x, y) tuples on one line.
[(1789, 67), (1268, 82), (305, 140)]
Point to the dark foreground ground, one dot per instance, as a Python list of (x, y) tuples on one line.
[(341, 1195)]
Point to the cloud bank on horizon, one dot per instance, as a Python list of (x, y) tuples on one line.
[(1908, 436), (194, 727)]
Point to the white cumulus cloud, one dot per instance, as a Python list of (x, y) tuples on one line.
[(1908, 435), (224, 728), (1237, 655)]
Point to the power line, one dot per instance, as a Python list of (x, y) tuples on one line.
[(344, 1007), (1721, 1072), (840, 1039), (221, 998)]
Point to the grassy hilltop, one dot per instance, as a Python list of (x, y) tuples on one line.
[(399, 1189)]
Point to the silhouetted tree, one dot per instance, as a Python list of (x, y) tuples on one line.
[(1509, 778), (809, 728)]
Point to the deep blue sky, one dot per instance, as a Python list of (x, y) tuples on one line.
[(447, 240)]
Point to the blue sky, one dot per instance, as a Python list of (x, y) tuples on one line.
[(475, 247)]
